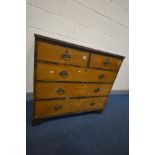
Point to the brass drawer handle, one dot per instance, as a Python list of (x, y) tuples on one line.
[(65, 56), (57, 107), (60, 91), (107, 62), (63, 74), (92, 103), (97, 90), (101, 76)]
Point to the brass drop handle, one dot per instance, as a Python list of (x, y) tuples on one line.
[(65, 56), (60, 91), (57, 107), (63, 74), (101, 76), (92, 103), (97, 90), (107, 62)]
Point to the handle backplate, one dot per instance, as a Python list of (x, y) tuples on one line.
[(107, 62), (57, 107), (63, 74), (101, 76), (92, 103), (65, 56), (60, 91), (97, 90)]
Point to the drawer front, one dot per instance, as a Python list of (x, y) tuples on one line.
[(58, 107), (104, 62), (46, 90), (60, 54), (54, 72)]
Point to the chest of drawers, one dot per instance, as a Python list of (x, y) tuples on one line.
[(70, 79)]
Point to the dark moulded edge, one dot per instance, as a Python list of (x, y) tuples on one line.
[(79, 47)]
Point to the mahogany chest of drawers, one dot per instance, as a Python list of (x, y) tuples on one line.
[(70, 79)]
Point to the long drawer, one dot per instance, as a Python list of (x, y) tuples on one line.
[(104, 62), (61, 54), (55, 72), (46, 90), (58, 107)]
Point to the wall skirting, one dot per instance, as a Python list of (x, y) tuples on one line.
[(29, 95), (119, 92)]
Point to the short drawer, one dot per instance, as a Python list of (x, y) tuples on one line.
[(46, 90), (60, 54), (54, 72), (104, 62), (59, 107)]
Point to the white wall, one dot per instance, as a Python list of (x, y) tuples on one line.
[(99, 24)]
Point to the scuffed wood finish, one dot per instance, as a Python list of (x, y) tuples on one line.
[(104, 62), (52, 72), (57, 53), (59, 107), (63, 90)]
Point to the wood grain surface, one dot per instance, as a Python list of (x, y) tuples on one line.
[(104, 62), (62, 90), (59, 107), (60, 54), (52, 72)]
